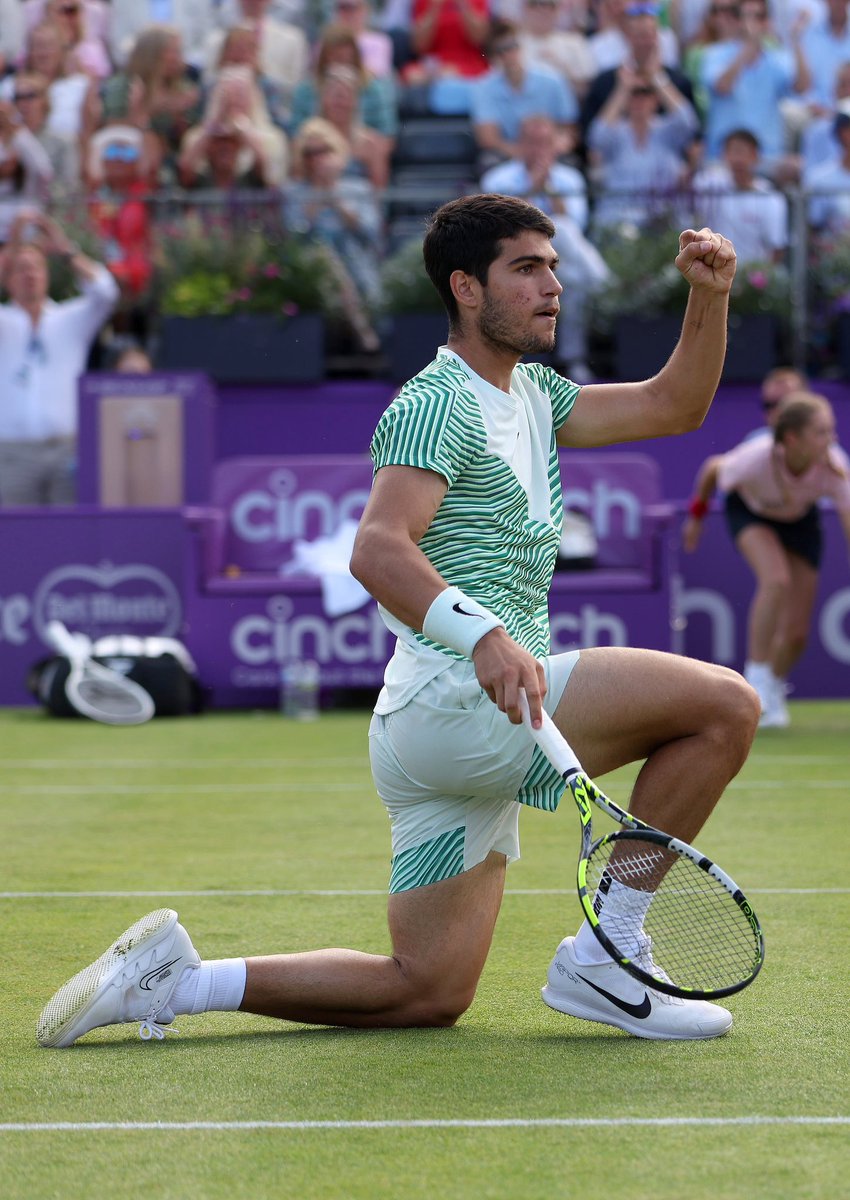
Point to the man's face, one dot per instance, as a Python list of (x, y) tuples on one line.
[(537, 144), (26, 276), (519, 305)]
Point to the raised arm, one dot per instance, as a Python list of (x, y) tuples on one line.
[(677, 399), (388, 562)]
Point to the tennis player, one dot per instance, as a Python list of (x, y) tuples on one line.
[(773, 483), (457, 545)]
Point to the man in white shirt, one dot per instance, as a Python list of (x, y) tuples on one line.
[(752, 213), (283, 48), (195, 19), (560, 191), (44, 346)]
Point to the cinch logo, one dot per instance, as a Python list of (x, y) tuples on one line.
[(283, 512), (278, 636), (589, 627), (600, 502), (131, 598)]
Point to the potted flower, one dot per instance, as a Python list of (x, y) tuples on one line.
[(243, 304), (829, 275), (414, 319), (640, 311)]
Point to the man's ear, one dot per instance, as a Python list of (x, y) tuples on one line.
[(466, 289)]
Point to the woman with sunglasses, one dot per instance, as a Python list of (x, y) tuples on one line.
[(773, 483), (83, 25)]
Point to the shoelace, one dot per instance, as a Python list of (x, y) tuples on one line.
[(150, 1028), (646, 962)]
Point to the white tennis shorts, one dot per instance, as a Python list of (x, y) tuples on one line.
[(452, 771)]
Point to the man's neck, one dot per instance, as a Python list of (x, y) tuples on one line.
[(33, 309), (496, 366)]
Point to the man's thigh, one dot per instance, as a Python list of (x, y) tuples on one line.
[(621, 704)]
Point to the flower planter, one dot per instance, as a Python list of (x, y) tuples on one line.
[(412, 342), (246, 348), (642, 345)]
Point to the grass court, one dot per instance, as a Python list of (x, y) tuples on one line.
[(266, 836)]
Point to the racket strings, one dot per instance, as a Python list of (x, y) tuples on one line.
[(701, 938)]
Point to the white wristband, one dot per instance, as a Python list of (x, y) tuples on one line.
[(459, 622)]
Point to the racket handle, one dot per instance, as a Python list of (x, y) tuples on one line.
[(61, 639), (550, 740)]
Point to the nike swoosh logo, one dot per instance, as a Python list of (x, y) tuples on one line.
[(156, 973), (457, 608), (640, 1011)]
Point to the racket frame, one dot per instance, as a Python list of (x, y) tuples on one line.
[(585, 793), (82, 664)]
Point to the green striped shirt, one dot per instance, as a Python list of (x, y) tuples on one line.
[(497, 530)]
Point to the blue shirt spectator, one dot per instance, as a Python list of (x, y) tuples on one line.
[(745, 79), (826, 45), (512, 91)]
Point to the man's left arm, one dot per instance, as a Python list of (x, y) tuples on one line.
[(677, 399)]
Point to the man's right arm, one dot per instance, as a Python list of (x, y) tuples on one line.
[(388, 562)]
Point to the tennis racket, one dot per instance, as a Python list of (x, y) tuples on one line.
[(705, 939), (92, 689)]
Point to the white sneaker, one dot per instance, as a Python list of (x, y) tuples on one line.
[(605, 992), (132, 981), (774, 709)]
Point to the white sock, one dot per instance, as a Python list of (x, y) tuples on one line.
[(621, 918), (217, 985), (588, 949)]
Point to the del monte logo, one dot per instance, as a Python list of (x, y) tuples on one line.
[(108, 598)]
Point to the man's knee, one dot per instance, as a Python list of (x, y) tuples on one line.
[(432, 999), (738, 713)]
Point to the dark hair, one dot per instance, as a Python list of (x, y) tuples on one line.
[(796, 410), (500, 30), (743, 135), (467, 235)]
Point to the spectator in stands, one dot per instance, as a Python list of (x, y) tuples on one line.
[(340, 211), (158, 83), (512, 91), (32, 100), (282, 48), (44, 347), (747, 207), (447, 38), (119, 208), (772, 487), (638, 153), (545, 44), (132, 360), (25, 170), (194, 20), (74, 105), (235, 110), (339, 103), (12, 31), (560, 191), (376, 47), (239, 47), (745, 79), (817, 142), (829, 185), (612, 44), (376, 99), (83, 25), (825, 46), (721, 22), (644, 52)]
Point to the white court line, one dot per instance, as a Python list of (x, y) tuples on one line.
[(166, 894), (436, 1123), (204, 764), (278, 785)]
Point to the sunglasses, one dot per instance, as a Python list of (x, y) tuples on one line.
[(769, 405), (69, 10), (120, 153), (643, 91), (728, 10), (19, 97), (505, 47), (314, 151)]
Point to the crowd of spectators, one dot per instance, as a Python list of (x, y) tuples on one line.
[(604, 111)]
